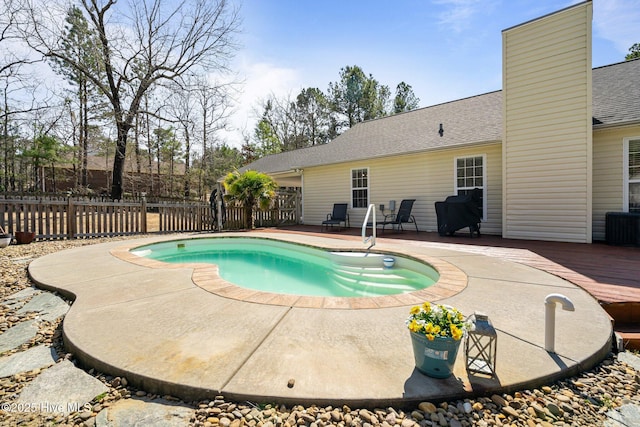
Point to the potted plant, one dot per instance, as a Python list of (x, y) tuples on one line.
[(25, 237), (5, 239), (436, 332)]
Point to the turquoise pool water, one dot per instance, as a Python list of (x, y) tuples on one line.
[(286, 268)]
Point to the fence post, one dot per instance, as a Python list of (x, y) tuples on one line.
[(143, 213), (71, 219)]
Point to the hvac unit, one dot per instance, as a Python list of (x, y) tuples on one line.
[(623, 228)]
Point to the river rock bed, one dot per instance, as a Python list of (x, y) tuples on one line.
[(584, 400)]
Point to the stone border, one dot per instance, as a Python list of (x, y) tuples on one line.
[(452, 281)]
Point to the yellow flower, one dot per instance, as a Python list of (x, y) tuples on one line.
[(456, 332), (414, 326), (435, 320)]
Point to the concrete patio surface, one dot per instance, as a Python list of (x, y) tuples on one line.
[(169, 331)]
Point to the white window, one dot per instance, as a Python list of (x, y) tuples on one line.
[(632, 174), (470, 173), (360, 188)]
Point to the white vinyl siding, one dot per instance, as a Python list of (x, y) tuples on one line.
[(607, 177), (547, 146), (359, 188), (426, 177), (609, 183), (632, 174), (324, 186)]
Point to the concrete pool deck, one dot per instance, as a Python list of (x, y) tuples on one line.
[(167, 332)]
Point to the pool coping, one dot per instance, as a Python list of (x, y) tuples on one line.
[(451, 280)]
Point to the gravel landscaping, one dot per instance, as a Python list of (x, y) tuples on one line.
[(608, 395)]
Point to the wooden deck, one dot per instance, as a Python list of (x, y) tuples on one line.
[(610, 273)]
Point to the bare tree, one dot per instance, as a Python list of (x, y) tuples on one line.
[(141, 43), (10, 60), (181, 107), (291, 123), (13, 79), (200, 107), (214, 105)]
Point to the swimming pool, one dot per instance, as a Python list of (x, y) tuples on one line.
[(288, 268)]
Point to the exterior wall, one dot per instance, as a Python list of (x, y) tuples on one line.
[(608, 182), (547, 127), (427, 177)]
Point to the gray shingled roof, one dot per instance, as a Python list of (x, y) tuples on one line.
[(616, 93), (616, 100)]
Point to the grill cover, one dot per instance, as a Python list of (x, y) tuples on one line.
[(458, 212)]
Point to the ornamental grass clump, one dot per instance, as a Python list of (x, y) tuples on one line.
[(437, 320)]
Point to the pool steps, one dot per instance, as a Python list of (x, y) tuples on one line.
[(364, 279)]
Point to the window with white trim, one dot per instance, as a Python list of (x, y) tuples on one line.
[(470, 174), (360, 188), (632, 174)]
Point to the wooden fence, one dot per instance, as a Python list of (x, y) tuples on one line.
[(57, 218)]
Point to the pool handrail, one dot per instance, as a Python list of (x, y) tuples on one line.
[(372, 238)]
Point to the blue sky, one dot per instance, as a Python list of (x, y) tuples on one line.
[(445, 49)]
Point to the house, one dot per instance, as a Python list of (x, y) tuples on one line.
[(555, 150), (99, 168)]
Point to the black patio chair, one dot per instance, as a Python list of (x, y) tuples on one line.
[(338, 216), (402, 217)]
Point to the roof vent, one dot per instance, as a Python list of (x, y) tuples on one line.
[(441, 130)]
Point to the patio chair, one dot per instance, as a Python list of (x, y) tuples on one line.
[(339, 215), (402, 217)]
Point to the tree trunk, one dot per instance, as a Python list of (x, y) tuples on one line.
[(171, 177), (5, 139), (187, 163), (53, 177), (118, 163), (138, 182), (149, 148), (137, 144), (161, 188), (85, 133), (248, 216)]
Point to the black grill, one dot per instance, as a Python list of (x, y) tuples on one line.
[(458, 212)]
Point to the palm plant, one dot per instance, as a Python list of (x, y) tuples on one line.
[(252, 189)]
